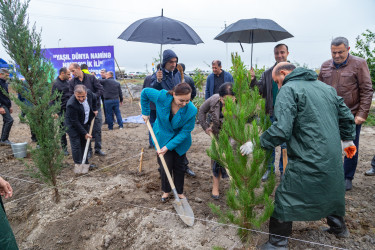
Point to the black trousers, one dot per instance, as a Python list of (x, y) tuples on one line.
[(77, 144), (177, 167), (7, 124), (373, 162)]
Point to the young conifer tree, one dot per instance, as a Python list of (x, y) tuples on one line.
[(249, 202), (23, 45)]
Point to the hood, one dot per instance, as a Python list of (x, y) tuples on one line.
[(301, 74), (168, 55)]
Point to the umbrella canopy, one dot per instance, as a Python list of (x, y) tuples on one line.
[(252, 31), (160, 30)]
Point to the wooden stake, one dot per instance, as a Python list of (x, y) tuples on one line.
[(141, 160)]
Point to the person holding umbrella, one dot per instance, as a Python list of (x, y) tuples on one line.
[(268, 89), (165, 77), (175, 119)]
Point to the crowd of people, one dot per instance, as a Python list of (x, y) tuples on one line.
[(315, 117)]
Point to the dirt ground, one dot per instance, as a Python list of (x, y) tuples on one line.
[(118, 207)]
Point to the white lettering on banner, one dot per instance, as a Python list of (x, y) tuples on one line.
[(102, 55), (77, 56), (62, 57)]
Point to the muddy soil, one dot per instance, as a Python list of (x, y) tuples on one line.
[(118, 207)]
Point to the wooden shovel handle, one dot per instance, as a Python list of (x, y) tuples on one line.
[(91, 126)]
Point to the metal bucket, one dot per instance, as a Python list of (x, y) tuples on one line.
[(19, 149)]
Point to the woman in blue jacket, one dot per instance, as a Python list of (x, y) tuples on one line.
[(174, 123)]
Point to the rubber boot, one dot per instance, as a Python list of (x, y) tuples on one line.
[(337, 226), (279, 231)]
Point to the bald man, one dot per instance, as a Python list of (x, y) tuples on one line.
[(312, 120)]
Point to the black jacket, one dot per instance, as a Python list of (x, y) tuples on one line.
[(63, 88), (75, 114), (265, 88), (4, 100), (112, 89), (90, 82)]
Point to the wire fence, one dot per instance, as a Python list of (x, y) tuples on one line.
[(151, 209)]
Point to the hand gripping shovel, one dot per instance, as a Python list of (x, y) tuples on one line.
[(84, 168), (181, 206)]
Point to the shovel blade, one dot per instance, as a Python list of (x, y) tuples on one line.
[(85, 168), (184, 210)]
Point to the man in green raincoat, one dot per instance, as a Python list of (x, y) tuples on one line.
[(312, 120), (7, 240)]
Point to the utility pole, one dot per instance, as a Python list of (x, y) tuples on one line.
[(226, 48), (146, 69)]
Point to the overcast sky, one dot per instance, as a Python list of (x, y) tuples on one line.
[(98, 23)]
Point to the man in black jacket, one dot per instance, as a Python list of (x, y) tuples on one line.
[(112, 99), (61, 85), (94, 85), (5, 108), (268, 90), (81, 108)]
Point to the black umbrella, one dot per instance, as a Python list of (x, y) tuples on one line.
[(160, 30), (252, 31)]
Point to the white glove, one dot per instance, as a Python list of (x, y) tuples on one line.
[(345, 144), (247, 148)]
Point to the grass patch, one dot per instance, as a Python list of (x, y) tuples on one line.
[(371, 118)]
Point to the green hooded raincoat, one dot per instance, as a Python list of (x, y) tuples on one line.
[(311, 119)]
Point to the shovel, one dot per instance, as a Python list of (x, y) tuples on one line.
[(181, 206), (85, 167)]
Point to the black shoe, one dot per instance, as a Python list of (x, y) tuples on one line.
[(215, 197), (337, 226), (66, 152), (6, 142), (348, 184), (190, 172), (100, 153), (371, 172), (151, 146), (92, 167), (266, 175)]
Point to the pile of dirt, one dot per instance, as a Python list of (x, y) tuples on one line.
[(118, 207)]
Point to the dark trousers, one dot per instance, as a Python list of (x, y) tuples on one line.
[(176, 166), (97, 131), (77, 144), (373, 162), (7, 124), (111, 106), (152, 121), (350, 165)]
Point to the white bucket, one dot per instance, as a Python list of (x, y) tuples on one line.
[(19, 149)]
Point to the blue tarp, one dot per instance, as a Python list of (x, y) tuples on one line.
[(133, 119)]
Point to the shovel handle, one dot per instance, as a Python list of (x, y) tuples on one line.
[(88, 142), (161, 156)]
